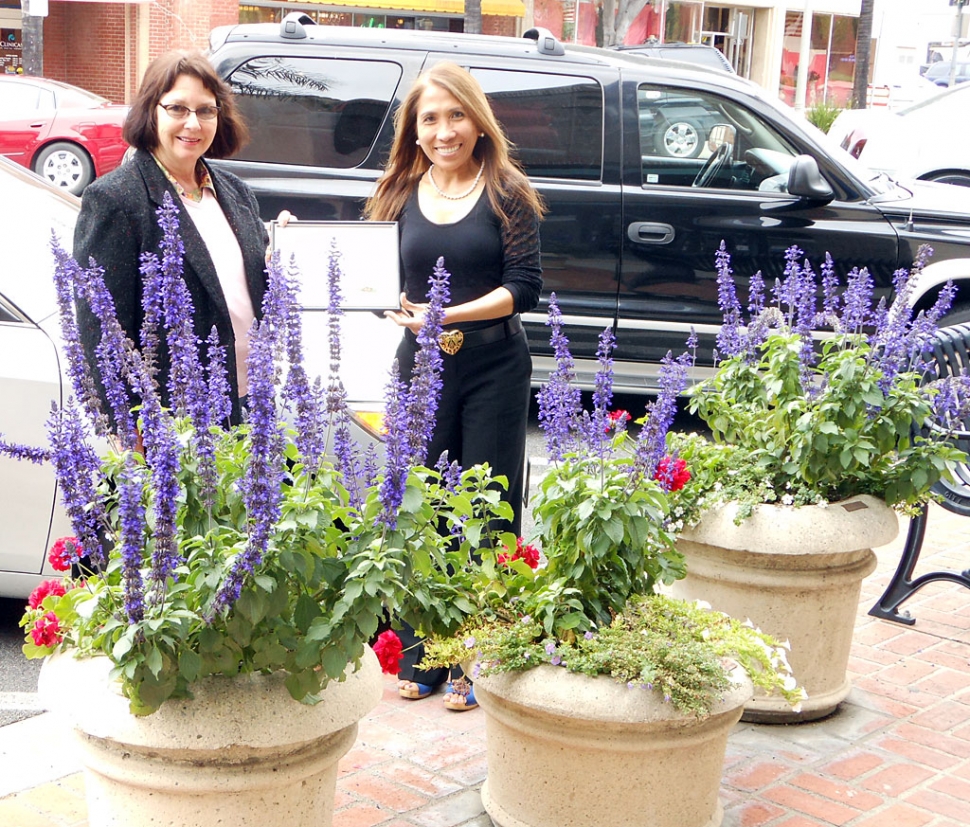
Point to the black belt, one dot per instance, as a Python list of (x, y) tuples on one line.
[(451, 341)]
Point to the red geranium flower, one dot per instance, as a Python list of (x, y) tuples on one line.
[(64, 552), (48, 587), (672, 473), (47, 630), (617, 419), (528, 553), (389, 651)]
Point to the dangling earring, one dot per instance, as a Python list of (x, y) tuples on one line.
[(481, 134), (417, 143)]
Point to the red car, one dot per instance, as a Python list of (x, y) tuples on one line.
[(63, 133)]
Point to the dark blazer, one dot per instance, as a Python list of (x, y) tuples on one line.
[(118, 223)]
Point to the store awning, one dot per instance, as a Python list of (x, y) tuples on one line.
[(502, 8)]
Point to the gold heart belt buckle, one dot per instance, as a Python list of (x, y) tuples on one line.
[(450, 341)]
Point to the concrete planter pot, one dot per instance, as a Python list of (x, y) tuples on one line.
[(797, 574), (567, 750), (242, 753)]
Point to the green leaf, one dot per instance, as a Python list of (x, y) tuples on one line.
[(307, 610), (154, 661), (190, 665), (334, 662)]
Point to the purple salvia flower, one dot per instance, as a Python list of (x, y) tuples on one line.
[(830, 293), (450, 472), (67, 274), (943, 303), (787, 290), (262, 485), (369, 467), (282, 310), (131, 519), (804, 290), (396, 468), (162, 445), (218, 377), (348, 461), (25, 453), (857, 301), (729, 340), (78, 470), (692, 343), (424, 393), (115, 353), (185, 378), (756, 295), (651, 442), (602, 392), (345, 447), (560, 402), (151, 303)]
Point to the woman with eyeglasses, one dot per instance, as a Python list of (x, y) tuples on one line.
[(183, 114)]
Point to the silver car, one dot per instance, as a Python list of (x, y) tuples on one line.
[(33, 371)]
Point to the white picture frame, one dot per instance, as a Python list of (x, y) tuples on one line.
[(369, 261)]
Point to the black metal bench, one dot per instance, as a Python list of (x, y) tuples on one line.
[(951, 353)]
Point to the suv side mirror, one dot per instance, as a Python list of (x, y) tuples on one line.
[(805, 180)]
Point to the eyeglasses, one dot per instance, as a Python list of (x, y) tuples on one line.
[(181, 113)]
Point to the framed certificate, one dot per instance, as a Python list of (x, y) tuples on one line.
[(369, 262)]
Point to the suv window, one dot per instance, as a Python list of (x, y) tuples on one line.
[(555, 121), (313, 111), (694, 139)]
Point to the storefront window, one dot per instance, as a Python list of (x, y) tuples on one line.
[(259, 14), (842, 59), (831, 59), (682, 22), (11, 50), (332, 18)]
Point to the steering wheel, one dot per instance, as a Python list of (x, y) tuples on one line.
[(713, 166)]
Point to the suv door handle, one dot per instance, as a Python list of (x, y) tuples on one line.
[(646, 232)]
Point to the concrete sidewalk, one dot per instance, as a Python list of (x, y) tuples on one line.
[(896, 754)]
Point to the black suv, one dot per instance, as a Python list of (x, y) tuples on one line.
[(698, 53), (647, 165)]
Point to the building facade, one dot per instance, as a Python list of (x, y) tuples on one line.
[(104, 45)]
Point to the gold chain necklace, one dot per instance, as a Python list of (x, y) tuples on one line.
[(465, 194)]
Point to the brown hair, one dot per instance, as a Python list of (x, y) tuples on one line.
[(504, 179), (141, 125)]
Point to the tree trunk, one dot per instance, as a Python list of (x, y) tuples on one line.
[(863, 41), (473, 16), (627, 12), (33, 45)]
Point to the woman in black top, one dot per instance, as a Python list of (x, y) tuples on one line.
[(456, 194)]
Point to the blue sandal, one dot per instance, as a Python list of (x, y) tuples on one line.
[(460, 695), (414, 691)]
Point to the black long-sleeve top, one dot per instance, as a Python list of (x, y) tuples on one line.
[(478, 252)]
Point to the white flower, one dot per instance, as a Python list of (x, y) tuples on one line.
[(788, 499), (790, 682)]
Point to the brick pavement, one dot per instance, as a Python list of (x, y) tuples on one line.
[(896, 754)]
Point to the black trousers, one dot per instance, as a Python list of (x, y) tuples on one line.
[(482, 418)]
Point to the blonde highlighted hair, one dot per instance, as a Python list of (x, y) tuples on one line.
[(505, 181)]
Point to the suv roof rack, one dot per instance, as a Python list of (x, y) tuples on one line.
[(545, 41), (292, 25)]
